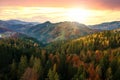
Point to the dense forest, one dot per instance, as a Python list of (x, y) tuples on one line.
[(92, 57)]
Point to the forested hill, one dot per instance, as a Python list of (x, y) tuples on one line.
[(93, 57), (98, 41)]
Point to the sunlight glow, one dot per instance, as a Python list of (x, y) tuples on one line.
[(58, 14), (77, 14)]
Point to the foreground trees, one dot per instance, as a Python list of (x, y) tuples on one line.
[(94, 57)]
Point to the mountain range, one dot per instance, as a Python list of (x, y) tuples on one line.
[(106, 25), (48, 32)]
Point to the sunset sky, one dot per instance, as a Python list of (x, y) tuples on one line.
[(83, 11)]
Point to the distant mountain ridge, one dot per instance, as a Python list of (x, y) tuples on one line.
[(106, 26), (2, 30), (13, 21), (12, 28), (48, 32)]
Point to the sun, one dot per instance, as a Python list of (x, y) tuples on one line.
[(78, 14)]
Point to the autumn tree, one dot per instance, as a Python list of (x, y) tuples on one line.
[(52, 74), (37, 67), (22, 65), (29, 74)]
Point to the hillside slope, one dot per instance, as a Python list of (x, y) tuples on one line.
[(49, 32)]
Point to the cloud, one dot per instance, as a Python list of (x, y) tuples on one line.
[(92, 4), (109, 4), (42, 14)]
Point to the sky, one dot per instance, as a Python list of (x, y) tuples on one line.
[(83, 11)]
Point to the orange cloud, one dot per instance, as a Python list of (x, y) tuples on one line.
[(93, 4)]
